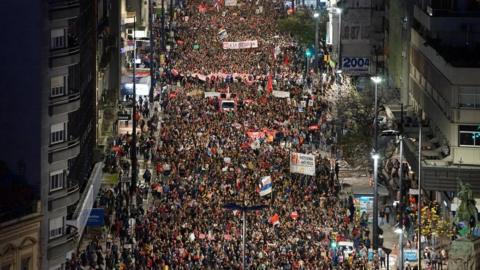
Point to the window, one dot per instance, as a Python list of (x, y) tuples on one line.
[(57, 86), (56, 227), (57, 133), (56, 180), (58, 40), (346, 32), (469, 135), (469, 98), (354, 31), (26, 263)]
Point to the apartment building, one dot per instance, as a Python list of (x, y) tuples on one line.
[(444, 89), (361, 24), (49, 113)]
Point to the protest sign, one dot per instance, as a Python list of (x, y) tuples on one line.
[(302, 163), (247, 44)]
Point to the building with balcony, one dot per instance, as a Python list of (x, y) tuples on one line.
[(444, 90), (49, 115)]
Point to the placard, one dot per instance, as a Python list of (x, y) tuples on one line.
[(302, 163)]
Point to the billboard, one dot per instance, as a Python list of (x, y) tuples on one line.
[(355, 65), (96, 218), (302, 163)]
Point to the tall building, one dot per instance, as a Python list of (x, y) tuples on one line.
[(48, 114), (361, 35), (444, 89)]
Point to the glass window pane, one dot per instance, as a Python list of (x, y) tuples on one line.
[(466, 138)]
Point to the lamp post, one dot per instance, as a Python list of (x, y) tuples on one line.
[(152, 48), (376, 80), (419, 206), (133, 148), (243, 209), (339, 12), (401, 228), (316, 15)]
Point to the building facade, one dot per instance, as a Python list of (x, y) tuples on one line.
[(361, 41), (20, 240), (50, 112), (444, 90)]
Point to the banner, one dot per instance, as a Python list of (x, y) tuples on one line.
[(240, 45), (96, 217), (281, 94), (302, 163), (230, 3)]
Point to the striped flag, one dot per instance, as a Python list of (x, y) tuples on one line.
[(275, 220), (266, 186)]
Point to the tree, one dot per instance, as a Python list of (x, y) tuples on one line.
[(301, 25)]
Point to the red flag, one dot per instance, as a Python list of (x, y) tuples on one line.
[(294, 215), (269, 84), (275, 220), (285, 60)]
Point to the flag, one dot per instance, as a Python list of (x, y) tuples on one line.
[(269, 84), (285, 60), (275, 220), (266, 187), (294, 215)]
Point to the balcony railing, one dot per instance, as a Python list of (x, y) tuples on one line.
[(63, 9), (60, 246), (65, 56), (64, 151), (64, 104)]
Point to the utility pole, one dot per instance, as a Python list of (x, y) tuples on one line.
[(152, 48), (163, 27), (133, 148)]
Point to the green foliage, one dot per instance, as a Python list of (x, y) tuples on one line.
[(301, 25)]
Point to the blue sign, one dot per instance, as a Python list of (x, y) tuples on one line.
[(96, 218), (410, 255)]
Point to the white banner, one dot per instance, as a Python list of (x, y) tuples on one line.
[(281, 94), (240, 45), (302, 163), (230, 3), (355, 65)]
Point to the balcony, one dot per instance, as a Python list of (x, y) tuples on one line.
[(63, 9), (64, 197), (64, 151), (65, 57), (64, 104), (60, 246)]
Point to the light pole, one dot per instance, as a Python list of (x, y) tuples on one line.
[(133, 153), (376, 80), (316, 15), (152, 45), (401, 228), (243, 209), (338, 11), (419, 177)]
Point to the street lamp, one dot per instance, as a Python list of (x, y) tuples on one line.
[(376, 80), (400, 229), (316, 15), (243, 209), (338, 11)]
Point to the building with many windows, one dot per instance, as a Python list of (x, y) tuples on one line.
[(49, 114), (443, 89)]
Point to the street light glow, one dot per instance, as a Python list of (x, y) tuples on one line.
[(338, 10), (316, 15), (375, 156), (376, 79)]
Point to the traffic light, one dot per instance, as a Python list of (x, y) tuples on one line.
[(308, 53)]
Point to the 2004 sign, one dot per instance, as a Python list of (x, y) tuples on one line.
[(355, 64)]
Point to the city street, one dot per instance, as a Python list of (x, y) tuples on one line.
[(232, 124)]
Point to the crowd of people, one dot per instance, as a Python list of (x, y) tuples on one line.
[(207, 156)]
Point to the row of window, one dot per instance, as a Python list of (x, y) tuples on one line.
[(56, 227), (355, 32), (58, 38)]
